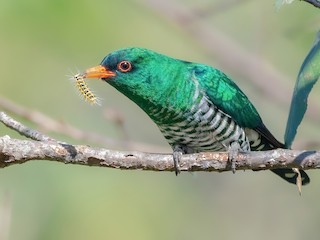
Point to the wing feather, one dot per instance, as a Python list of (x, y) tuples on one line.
[(229, 98)]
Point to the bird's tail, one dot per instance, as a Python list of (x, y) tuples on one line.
[(290, 176), (269, 142)]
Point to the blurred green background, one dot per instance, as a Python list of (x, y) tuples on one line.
[(41, 42)]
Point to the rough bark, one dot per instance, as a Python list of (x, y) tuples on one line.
[(16, 151)]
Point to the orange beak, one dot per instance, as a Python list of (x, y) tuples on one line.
[(98, 72)]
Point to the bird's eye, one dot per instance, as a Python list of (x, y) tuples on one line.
[(124, 66)]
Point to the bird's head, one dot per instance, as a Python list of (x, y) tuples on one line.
[(141, 74)]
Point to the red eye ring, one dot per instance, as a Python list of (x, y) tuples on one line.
[(124, 66)]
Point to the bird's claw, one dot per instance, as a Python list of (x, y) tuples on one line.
[(177, 154), (232, 155), (176, 161)]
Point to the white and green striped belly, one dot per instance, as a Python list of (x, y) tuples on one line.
[(203, 128)]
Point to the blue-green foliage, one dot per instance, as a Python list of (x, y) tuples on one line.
[(308, 76)]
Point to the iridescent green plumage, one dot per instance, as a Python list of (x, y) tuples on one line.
[(196, 107)]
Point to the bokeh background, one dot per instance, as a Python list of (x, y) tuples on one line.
[(44, 41)]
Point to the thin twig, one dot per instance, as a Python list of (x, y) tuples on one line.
[(22, 129), (214, 8), (49, 124)]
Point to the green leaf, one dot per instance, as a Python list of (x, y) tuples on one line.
[(308, 75)]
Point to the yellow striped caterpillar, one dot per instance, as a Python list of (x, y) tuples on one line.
[(85, 91)]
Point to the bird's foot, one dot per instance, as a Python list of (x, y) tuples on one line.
[(176, 160), (232, 155), (177, 154)]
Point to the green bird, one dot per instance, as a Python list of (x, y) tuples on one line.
[(196, 107)]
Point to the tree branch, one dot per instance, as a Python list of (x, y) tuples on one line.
[(16, 151), (313, 2)]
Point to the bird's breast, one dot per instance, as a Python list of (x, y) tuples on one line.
[(202, 127)]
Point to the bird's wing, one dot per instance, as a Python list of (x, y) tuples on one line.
[(228, 97)]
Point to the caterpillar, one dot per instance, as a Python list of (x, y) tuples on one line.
[(85, 91)]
